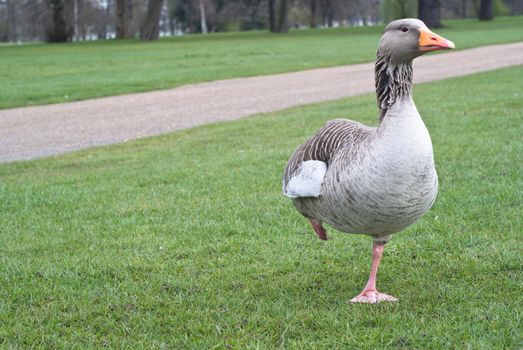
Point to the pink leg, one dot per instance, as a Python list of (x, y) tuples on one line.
[(318, 228), (370, 294)]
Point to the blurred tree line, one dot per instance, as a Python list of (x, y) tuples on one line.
[(68, 20)]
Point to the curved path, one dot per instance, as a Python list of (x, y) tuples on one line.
[(33, 132)]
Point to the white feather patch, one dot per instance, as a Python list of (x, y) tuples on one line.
[(307, 182)]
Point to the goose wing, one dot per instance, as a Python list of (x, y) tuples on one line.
[(309, 163)]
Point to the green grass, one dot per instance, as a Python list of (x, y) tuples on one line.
[(185, 241), (38, 74)]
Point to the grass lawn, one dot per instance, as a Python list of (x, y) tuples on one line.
[(38, 74), (185, 240)]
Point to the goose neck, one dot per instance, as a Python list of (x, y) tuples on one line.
[(393, 83)]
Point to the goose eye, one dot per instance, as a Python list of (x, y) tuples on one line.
[(404, 29)]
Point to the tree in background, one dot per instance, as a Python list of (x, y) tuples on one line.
[(192, 16), (12, 16), (104, 23), (429, 11), (514, 7), (33, 13), (124, 17), (331, 13), (486, 10), (395, 9), (203, 18), (272, 15), (312, 6), (278, 21), (150, 29), (182, 15), (282, 25), (54, 20), (256, 16), (58, 31), (456, 8), (327, 10), (364, 12)]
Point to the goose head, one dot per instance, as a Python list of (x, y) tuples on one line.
[(405, 39)]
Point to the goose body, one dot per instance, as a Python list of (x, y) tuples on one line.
[(365, 180), (377, 181)]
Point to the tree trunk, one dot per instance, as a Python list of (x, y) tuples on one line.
[(58, 31), (130, 30), (107, 15), (11, 18), (312, 22), (203, 20), (124, 14), (83, 23), (272, 16), (34, 33), (120, 19), (282, 26), (172, 28), (330, 14), (463, 8), (486, 10), (11, 14), (150, 29), (327, 13), (103, 34), (75, 20), (429, 11)]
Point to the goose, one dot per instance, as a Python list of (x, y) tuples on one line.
[(372, 180)]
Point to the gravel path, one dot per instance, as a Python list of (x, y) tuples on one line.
[(33, 132)]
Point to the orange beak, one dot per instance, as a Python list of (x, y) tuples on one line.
[(429, 41)]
